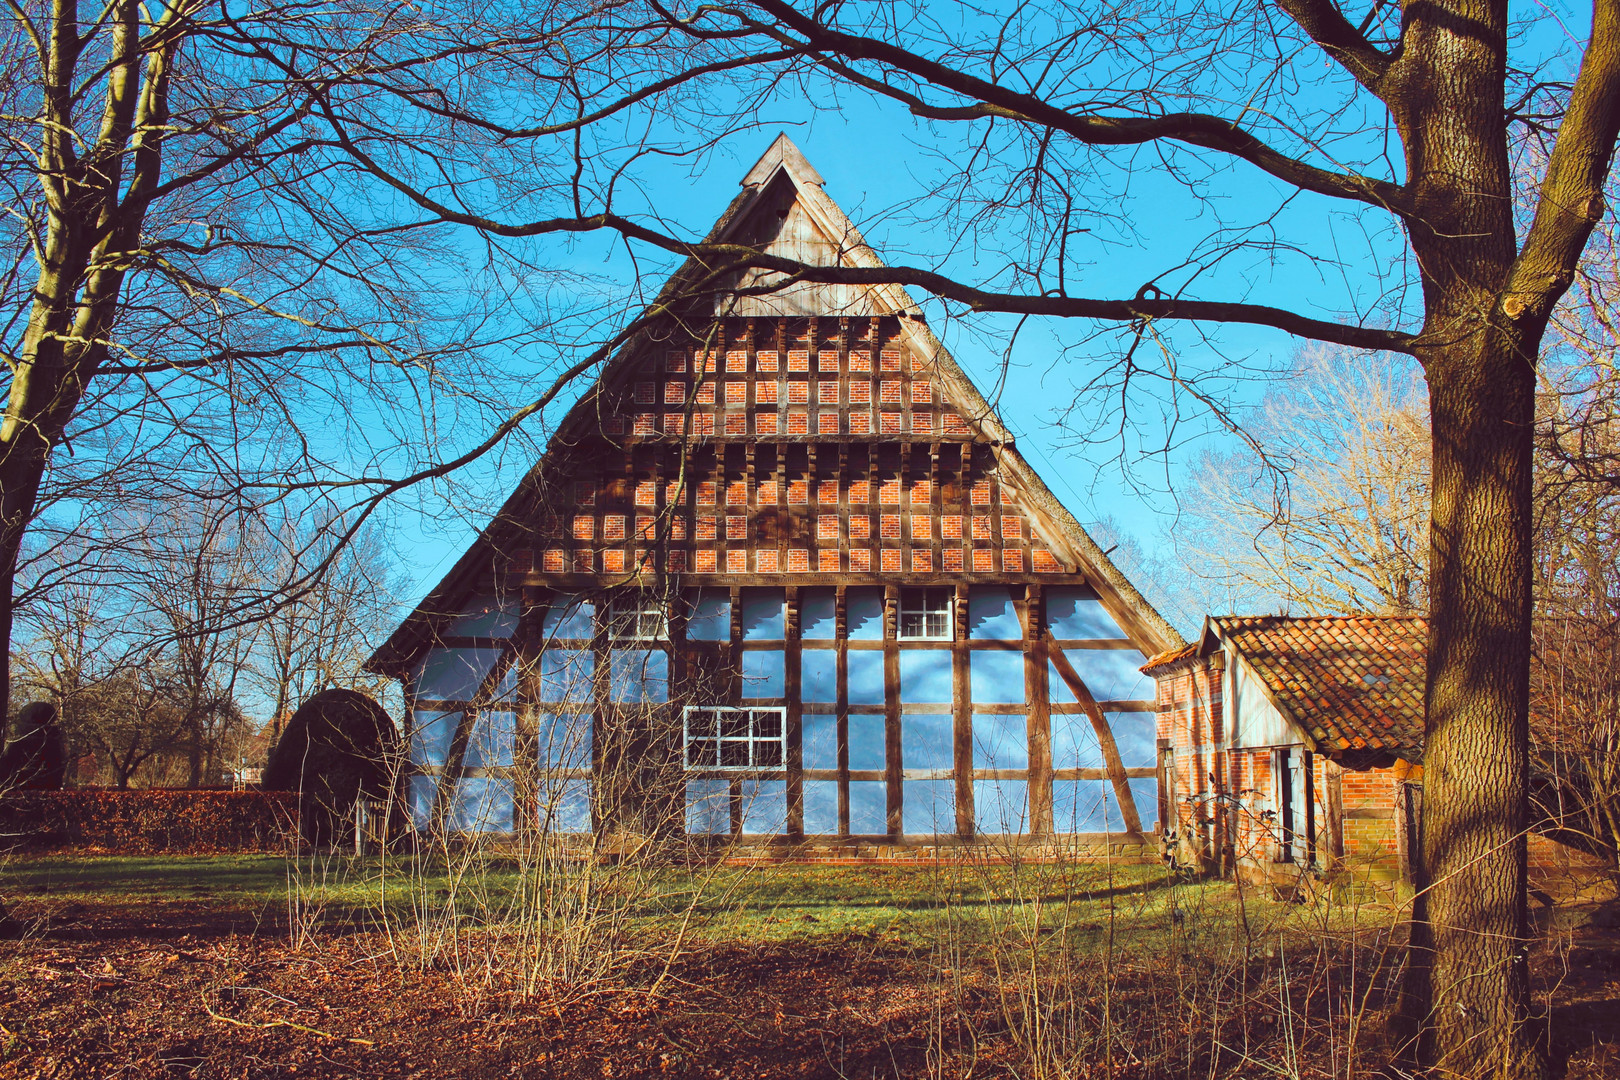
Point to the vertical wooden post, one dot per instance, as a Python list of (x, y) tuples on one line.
[(792, 687), (529, 638), (962, 716), (841, 635), (1333, 799), (1038, 703), (891, 708)]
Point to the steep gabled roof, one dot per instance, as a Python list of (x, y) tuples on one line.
[(783, 209), (1353, 684)]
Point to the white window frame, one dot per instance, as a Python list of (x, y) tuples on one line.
[(919, 607), (625, 618), (779, 739)]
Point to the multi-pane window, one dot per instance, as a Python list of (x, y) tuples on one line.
[(636, 618), (719, 737), (925, 614)]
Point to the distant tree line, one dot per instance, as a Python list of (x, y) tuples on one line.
[(184, 637)]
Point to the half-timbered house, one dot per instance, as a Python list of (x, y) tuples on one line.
[(782, 573)]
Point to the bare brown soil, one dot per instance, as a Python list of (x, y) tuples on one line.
[(195, 989)]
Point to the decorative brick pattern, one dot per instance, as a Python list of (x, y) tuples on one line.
[(736, 360), (765, 393), (584, 562), (646, 526), (766, 360), (1012, 561), (703, 561), (646, 393), (646, 493), (889, 492), (860, 423), (707, 524), (1045, 562), (890, 360), (613, 425), (675, 392), (860, 360), (736, 527), (703, 393), (677, 528), (675, 361), (674, 492), (736, 423), (798, 558), (829, 561), (951, 560), (1012, 527), (981, 493), (798, 492), (644, 424), (860, 393), (827, 527), (827, 360), (922, 492), (675, 562), (891, 527), (674, 423), (612, 527), (981, 526), (860, 527), (765, 423), (613, 561), (890, 423), (984, 560), (584, 527), (955, 425), (703, 424), (827, 423), (766, 494), (890, 563), (737, 561), (827, 492), (798, 360), (922, 423), (860, 561), (922, 526), (922, 561), (736, 392), (950, 526), (798, 393), (922, 393), (1006, 496), (890, 392), (798, 423), (554, 560), (709, 359), (765, 561), (707, 493), (737, 493), (827, 392)]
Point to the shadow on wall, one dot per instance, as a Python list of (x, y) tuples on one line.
[(337, 749)]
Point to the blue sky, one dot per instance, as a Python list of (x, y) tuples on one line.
[(875, 158)]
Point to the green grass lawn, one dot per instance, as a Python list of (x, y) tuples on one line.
[(735, 903)]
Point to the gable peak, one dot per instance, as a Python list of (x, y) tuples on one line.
[(782, 155)]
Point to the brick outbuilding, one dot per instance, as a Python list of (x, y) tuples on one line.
[(1290, 745)]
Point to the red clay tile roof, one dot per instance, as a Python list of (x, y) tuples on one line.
[(1351, 683)]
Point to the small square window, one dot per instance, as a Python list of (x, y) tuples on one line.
[(636, 618), (925, 614)]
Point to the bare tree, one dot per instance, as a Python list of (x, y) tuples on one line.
[(1330, 514)]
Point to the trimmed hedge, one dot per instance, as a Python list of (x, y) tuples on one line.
[(148, 822)]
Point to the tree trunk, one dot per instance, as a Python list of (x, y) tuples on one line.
[(1468, 982)]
